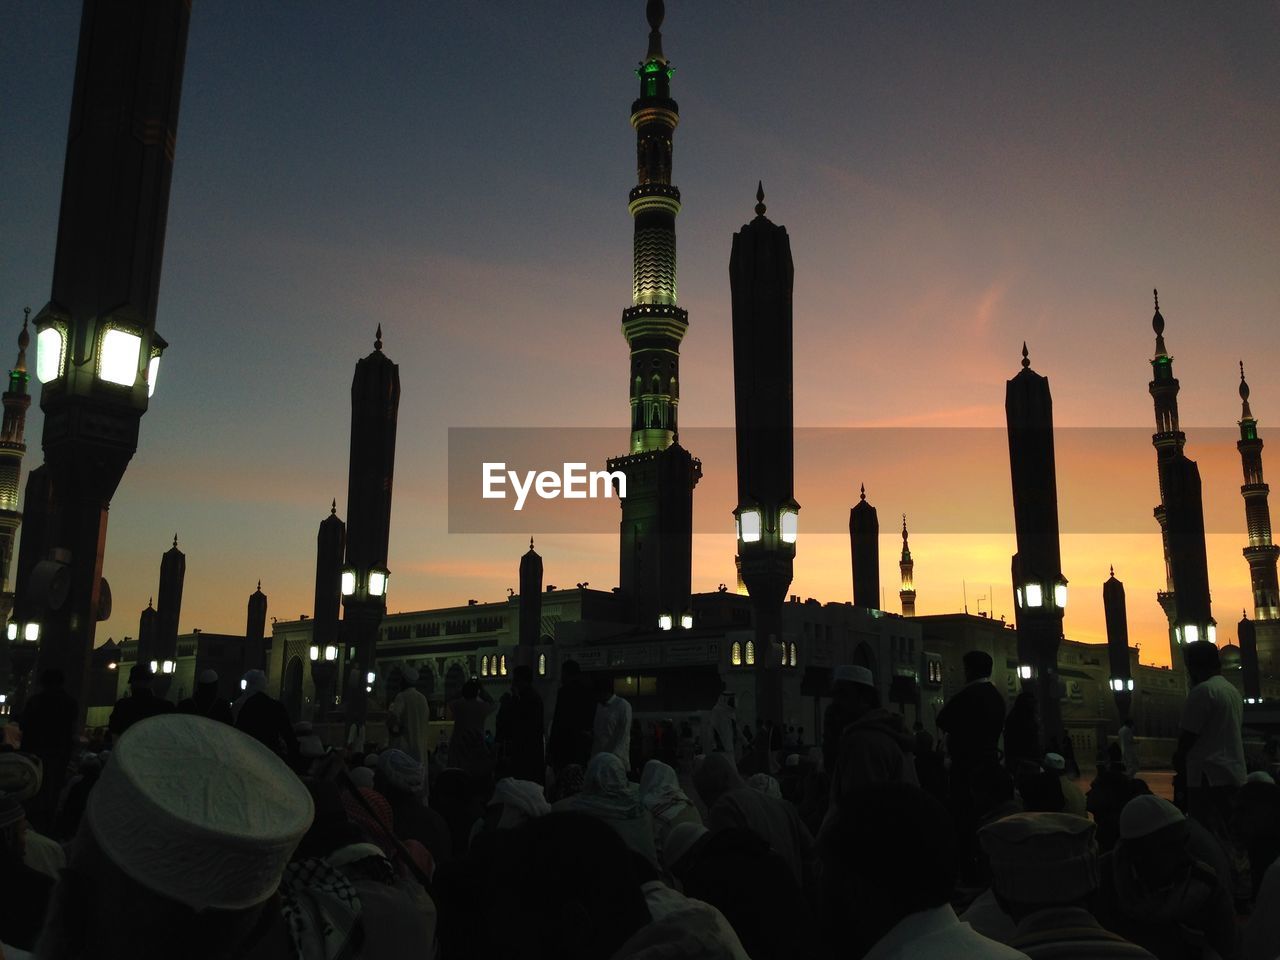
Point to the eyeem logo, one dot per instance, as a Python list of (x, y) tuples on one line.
[(573, 483)]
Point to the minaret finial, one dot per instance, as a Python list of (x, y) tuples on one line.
[(377, 339), (150, 602), (863, 492), (175, 541), (24, 341), (1113, 571), (759, 198), (1026, 356), (904, 528), (1245, 412), (531, 543), (259, 586), (333, 507), (655, 11), (1157, 324)]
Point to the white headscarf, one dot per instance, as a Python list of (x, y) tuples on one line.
[(521, 800), (606, 792), (660, 790)]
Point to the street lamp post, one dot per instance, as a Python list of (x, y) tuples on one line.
[(97, 350)]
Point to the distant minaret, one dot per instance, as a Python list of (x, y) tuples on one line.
[(864, 551), (147, 636), (1040, 589), (13, 447), (173, 573), (907, 593), (255, 631), (1250, 672), (656, 534), (530, 601), (761, 277), (1117, 618), (326, 611), (1261, 552), (1181, 511), (375, 405)]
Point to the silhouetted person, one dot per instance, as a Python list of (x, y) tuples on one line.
[(468, 748), (205, 701), (1128, 748), (519, 725), (875, 747), (611, 730), (24, 892), (739, 874), (889, 871), (1044, 869), (972, 720), (573, 719), (265, 718), (409, 716), (402, 780), (140, 704), (848, 686), (1210, 749), (1022, 731), (48, 731), (724, 724)]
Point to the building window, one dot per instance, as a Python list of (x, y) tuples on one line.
[(542, 664), (503, 665), (484, 666), (735, 654), (751, 652), (791, 654)]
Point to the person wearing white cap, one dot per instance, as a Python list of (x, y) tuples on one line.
[(182, 848), (875, 746), (409, 716), (1073, 800), (1155, 892), (1044, 870), (843, 709), (205, 701)]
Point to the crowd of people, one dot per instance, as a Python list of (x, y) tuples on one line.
[(222, 830)]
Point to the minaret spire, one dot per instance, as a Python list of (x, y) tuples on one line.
[(907, 592), (1260, 552), (760, 207), (1026, 356), (655, 11)]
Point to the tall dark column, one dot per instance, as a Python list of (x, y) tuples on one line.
[(907, 569), (760, 282), (1117, 618), (97, 347), (147, 632), (375, 404), (331, 545), (530, 603), (656, 542), (864, 551), (255, 631), (173, 575), (1180, 513), (1251, 677), (1040, 590)]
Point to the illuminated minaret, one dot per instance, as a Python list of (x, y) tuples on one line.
[(13, 447), (1117, 619), (907, 593), (326, 611), (1261, 553), (375, 405), (1181, 512), (864, 550), (255, 630), (1040, 590), (656, 543)]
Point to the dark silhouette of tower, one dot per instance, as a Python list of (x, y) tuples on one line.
[(1261, 552), (98, 351), (255, 631), (1250, 670), (331, 545), (173, 574), (147, 651), (656, 543), (30, 602), (13, 447), (1181, 512), (760, 282), (1117, 618), (530, 603), (907, 567), (375, 403), (864, 550), (1040, 590)]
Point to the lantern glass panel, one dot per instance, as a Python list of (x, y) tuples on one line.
[(118, 362)]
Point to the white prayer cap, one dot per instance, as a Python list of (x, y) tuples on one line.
[(209, 676), (198, 812), (1055, 762), (852, 673), (410, 674), (1145, 814), (1259, 776)]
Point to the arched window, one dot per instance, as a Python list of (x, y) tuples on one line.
[(542, 664), (484, 666), (735, 654), (751, 652), (503, 668), (791, 654)]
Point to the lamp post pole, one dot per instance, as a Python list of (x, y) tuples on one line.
[(97, 350)]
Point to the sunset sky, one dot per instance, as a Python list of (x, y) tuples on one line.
[(955, 180)]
